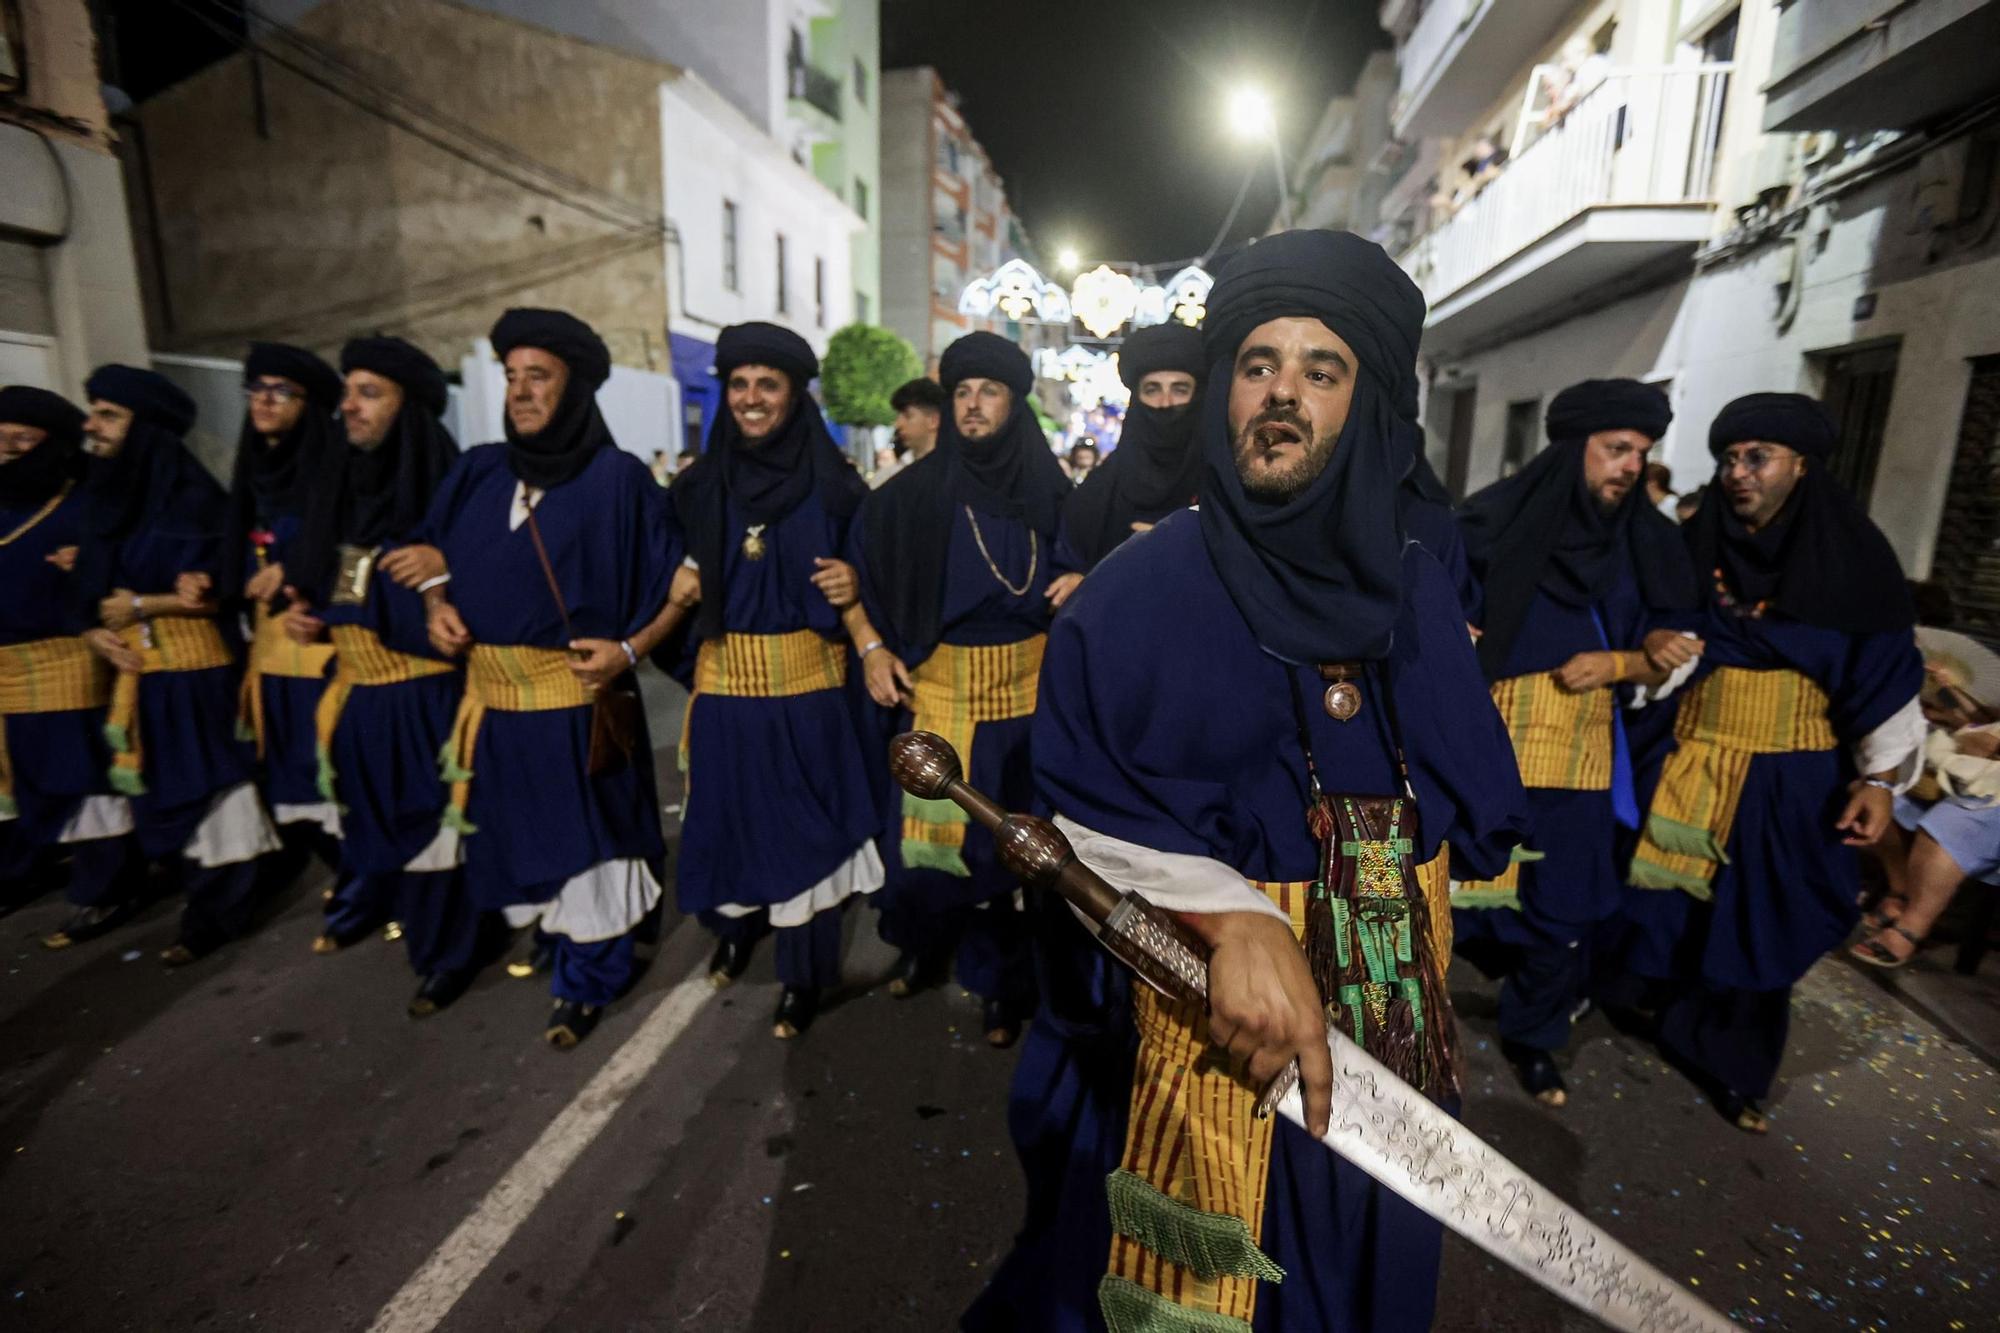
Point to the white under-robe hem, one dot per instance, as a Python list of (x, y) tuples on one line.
[(234, 830), (98, 817), (602, 903), (1897, 745), (1174, 881), (859, 873), (445, 852), (323, 813)]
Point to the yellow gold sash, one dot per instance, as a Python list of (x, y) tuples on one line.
[(360, 661), (1187, 1200), (764, 666), (513, 679), (170, 643), (274, 653), (46, 676), (957, 688), (1731, 717), (1562, 738)]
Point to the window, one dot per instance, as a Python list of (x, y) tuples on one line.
[(819, 292), (729, 245), (1524, 428), (861, 198), (784, 294), (860, 307), (1461, 407), (1967, 562), (860, 81), (1858, 387), (1718, 46)]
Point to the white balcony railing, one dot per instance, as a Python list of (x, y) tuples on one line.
[(1641, 137)]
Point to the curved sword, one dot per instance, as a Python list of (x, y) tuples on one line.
[(1380, 1123)]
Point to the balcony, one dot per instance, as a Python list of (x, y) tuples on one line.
[(1879, 64), (813, 97), (1462, 54), (1623, 183)]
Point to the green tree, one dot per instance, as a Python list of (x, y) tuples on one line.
[(863, 365)]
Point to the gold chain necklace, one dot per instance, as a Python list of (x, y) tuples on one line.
[(1034, 552), (38, 516)]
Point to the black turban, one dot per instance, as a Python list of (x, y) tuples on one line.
[(1582, 410), (986, 356), (1821, 559), (757, 344), (1156, 468), (408, 365), (1011, 473), (145, 393), (1169, 346), (1790, 419), (1318, 577), (35, 476), (1543, 531), (560, 334), (560, 450), (372, 497), (764, 481), (1347, 283), (319, 380)]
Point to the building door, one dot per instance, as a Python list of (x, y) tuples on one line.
[(1967, 560), (1858, 386), (1524, 435), (1461, 404)]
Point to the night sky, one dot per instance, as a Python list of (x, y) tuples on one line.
[(1106, 117)]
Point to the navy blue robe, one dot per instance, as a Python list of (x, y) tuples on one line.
[(1162, 723), (291, 759)]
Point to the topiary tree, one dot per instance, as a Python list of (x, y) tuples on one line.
[(863, 365)]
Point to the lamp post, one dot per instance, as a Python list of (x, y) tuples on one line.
[(1252, 117)]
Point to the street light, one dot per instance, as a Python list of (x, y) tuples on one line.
[(1252, 116), (1067, 261)]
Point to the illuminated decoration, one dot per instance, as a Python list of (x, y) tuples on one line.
[(1016, 291), (1092, 376), (1104, 299), (1187, 295)]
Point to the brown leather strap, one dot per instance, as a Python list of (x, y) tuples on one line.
[(548, 570)]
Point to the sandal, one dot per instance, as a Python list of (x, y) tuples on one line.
[(1877, 954), (1880, 915)]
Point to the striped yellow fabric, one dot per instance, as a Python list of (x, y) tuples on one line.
[(512, 678), (170, 643), (1562, 738), (360, 660), (274, 653), (1727, 720), (957, 688), (46, 676), (770, 666), (1193, 1135)]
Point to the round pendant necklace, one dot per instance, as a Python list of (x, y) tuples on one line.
[(753, 541), (1343, 696)]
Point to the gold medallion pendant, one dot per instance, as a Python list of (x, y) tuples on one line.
[(1343, 696), (753, 542)]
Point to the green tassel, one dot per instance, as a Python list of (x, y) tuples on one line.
[(1209, 1245), (1343, 951), (1131, 1308), (323, 779), (1686, 839), (1521, 855), (454, 819), (918, 855), (244, 731), (9, 809), (127, 781), (1646, 875), (1485, 899), (117, 737)]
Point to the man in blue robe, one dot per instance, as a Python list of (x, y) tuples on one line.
[(1793, 734), (560, 559), (1576, 567), (955, 557), (1228, 700), (353, 578), (152, 515), (56, 797), (765, 514)]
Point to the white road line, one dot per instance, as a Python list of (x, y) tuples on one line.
[(452, 1268)]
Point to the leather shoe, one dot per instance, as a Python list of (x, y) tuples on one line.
[(729, 961), (87, 923), (178, 955), (797, 1007), (569, 1023), (1003, 1028), (910, 975), (1538, 1072), (437, 992), (540, 959), (1742, 1112)]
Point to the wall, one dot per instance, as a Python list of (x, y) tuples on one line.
[(340, 222), (838, 44), (907, 96), (1721, 333)]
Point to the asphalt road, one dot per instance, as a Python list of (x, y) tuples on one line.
[(264, 1141)]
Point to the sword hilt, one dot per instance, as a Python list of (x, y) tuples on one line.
[(1165, 954)]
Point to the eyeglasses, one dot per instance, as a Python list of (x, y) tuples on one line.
[(275, 393), (1750, 460)]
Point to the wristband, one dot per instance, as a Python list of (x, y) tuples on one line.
[(138, 608), (869, 647), (438, 582), (1889, 787), (630, 656)]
